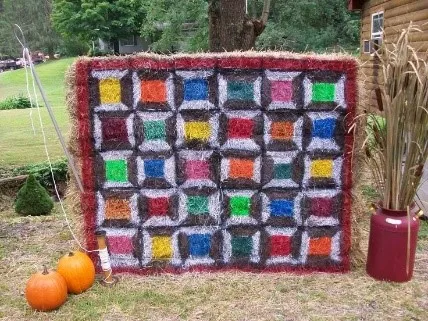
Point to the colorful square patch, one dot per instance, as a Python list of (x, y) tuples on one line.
[(114, 132), (241, 131), (197, 169), (243, 92), (242, 207), (117, 210), (197, 130), (153, 91), (156, 172), (282, 169), (283, 131), (281, 208), (282, 244), (111, 90), (196, 89), (282, 90), (240, 172), (324, 91)]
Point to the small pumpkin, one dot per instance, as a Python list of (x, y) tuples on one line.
[(46, 291), (78, 271)]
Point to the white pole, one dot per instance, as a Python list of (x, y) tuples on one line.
[(53, 119)]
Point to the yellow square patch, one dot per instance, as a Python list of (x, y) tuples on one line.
[(161, 247), (197, 130), (322, 168), (110, 92)]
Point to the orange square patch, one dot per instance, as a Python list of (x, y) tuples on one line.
[(153, 91), (241, 168), (117, 209), (282, 130), (320, 246)]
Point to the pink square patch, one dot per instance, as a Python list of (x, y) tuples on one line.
[(281, 91), (197, 169), (120, 244)]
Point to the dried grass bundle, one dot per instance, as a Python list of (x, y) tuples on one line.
[(397, 143)]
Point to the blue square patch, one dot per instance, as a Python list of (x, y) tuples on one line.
[(195, 89), (154, 168), (324, 128), (281, 208), (199, 244)]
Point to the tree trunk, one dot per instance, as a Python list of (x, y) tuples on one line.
[(230, 28), (116, 46)]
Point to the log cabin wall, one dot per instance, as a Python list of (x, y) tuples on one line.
[(397, 15)]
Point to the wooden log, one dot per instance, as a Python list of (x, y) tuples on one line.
[(373, 3), (422, 24), (414, 6), (369, 10), (419, 15), (15, 179), (371, 84), (406, 16)]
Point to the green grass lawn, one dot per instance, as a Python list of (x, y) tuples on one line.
[(18, 144)]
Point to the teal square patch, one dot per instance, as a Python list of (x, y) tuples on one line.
[(282, 171), (242, 246), (154, 130), (197, 205), (240, 90)]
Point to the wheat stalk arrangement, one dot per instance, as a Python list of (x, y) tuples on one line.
[(397, 143)]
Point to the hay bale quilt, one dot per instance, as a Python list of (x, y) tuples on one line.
[(211, 162)]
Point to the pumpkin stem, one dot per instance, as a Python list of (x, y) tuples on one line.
[(70, 253), (45, 270)]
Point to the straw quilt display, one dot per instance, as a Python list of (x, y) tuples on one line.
[(211, 162)]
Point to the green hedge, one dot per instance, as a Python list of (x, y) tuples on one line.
[(33, 199), (42, 172), (15, 102)]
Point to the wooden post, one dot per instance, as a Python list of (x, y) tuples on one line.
[(104, 258)]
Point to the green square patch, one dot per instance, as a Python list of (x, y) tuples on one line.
[(323, 92), (240, 90), (154, 129), (282, 171), (116, 170), (242, 246), (240, 206), (197, 205)]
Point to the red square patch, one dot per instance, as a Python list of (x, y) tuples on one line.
[(321, 206), (280, 245), (158, 206), (114, 129), (240, 128)]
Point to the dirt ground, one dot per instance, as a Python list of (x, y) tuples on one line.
[(26, 243)]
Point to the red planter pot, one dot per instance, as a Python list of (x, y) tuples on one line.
[(388, 256)]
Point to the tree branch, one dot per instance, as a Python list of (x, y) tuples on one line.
[(265, 13)]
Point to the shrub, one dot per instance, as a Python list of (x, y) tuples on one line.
[(33, 199), (42, 173), (15, 102), (72, 47)]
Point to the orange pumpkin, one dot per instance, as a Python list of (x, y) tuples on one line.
[(78, 271), (46, 290)]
